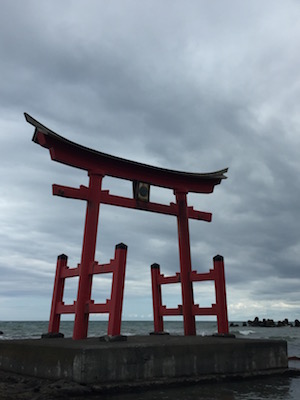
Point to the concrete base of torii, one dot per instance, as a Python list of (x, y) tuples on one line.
[(143, 361)]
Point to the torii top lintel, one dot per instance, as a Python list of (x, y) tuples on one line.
[(73, 154)]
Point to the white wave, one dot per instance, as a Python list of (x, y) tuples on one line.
[(246, 333)]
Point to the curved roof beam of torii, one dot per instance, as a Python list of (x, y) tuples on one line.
[(73, 154)]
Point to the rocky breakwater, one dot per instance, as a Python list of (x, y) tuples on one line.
[(270, 323)]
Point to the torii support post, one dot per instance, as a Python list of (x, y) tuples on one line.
[(87, 257), (58, 292), (115, 314), (112, 306), (185, 264), (219, 309), (221, 301), (156, 298)]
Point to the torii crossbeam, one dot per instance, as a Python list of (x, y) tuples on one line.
[(98, 165)]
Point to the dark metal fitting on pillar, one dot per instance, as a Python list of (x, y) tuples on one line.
[(121, 246), (218, 258), (155, 266)]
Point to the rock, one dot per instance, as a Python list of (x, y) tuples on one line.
[(255, 322), (109, 338), (69, 388), (268, 323)]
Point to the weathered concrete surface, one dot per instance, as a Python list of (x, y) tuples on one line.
[(143, 360)]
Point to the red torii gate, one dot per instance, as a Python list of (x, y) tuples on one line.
[(98, 165)]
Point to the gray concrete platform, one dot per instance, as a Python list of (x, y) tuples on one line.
[(144, 360)]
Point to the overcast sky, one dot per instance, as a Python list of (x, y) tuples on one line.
[(193, 86)]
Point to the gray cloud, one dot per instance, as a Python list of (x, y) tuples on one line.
[(194, 87)]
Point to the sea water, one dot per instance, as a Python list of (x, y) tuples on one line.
[(275, 388)]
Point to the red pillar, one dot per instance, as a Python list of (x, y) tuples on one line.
[(156, 298), (185, 264), (58, 293), (115, 313), (221, 301), (87, 257)]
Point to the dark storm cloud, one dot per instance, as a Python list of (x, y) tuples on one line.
[(195, 87)]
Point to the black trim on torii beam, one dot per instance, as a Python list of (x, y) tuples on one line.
[(73, 154)]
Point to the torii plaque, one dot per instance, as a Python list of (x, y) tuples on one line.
[(98, 165)]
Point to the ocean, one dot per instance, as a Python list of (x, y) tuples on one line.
[(275, 388)]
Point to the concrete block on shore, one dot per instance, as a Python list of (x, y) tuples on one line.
[(144, 360)]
